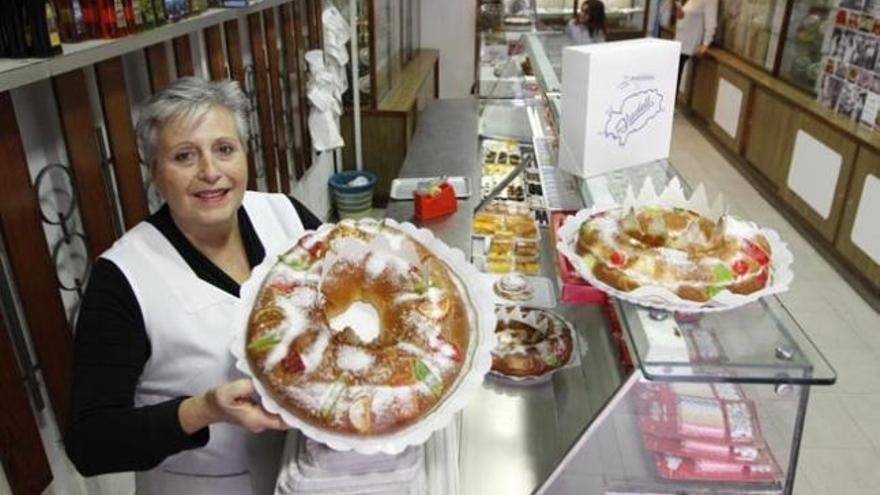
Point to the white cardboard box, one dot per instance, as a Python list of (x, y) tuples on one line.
[(618, 100)]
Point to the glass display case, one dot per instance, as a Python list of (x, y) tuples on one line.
[(658, 402), (625, 16), (802, 49), (388, 36), (750, 29)]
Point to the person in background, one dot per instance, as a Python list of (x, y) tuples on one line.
[(588, 26), (155, 389), (695, 25)]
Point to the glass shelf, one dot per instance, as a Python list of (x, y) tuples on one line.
[(756, 343)]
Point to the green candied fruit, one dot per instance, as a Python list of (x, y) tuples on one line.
[(585, 228), (722, 272), (296, 261), (265, 342), (713, 290), (550, 359), (424, 374)]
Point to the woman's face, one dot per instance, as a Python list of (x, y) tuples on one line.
[(201, 169), (585, 14)]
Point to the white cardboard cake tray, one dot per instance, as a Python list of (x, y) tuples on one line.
[(781, 259), (478, 359)]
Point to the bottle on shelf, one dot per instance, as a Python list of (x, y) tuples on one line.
[(133, 16), (112, 19), (73, 22), (176, 9), (12, 28), (41, 34), (148, 12), (198, 6), (159, 9)]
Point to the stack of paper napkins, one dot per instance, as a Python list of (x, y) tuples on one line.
[(312, 468), (618, 100)]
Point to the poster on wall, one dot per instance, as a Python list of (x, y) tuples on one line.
[(850, 80)]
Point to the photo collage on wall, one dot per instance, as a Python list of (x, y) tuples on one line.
[(850, 81)]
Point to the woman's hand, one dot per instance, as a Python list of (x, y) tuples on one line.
[(679, 11), (701, 50), (231, 402)]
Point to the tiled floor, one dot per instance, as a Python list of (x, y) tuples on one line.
[(841, 448)]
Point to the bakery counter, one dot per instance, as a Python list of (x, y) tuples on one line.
[(511, 436)]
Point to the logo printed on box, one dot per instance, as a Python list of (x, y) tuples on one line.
[(633, 114)]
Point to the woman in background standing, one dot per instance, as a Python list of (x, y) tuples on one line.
[(696, 22), (588, 26)]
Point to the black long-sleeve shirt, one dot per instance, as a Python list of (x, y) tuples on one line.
[(107, 433)]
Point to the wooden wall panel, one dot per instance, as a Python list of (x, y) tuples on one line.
[(293, 81), (31, 263), (236, 71), (214, 53), (771, 132), (301, 37), (274, 57), (255, 30), (704, 87), (123, 144), (78, 125), (157, 66), (384, 135), (21, 449), (183, 57), (867, 163), (841, 144)]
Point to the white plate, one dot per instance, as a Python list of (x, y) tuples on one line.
[(478, 359)]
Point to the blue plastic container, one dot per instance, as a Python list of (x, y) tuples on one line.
[(353, 201)]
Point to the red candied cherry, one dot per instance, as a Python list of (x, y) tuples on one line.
[(283, 287), (762, 277), (740, 267), (755, 252), (617, 258), (292, 362)]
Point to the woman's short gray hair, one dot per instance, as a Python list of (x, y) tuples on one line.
[(189, 97)]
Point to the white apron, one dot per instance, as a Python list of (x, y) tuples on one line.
[(189, 325)]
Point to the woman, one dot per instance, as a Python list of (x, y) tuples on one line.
[(155, 389), (589, 25), (695, 25)]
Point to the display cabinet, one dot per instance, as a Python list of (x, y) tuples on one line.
[(750, 29), (804, 39), (661, 403), (388, 36)]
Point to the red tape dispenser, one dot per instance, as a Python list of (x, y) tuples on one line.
[(434, 198)]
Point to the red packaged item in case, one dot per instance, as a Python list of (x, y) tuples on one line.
[(434, 200), (699, 449), (665, 414), (572, 288), (672, 467)]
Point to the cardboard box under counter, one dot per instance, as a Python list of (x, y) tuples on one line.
[(618, 100)]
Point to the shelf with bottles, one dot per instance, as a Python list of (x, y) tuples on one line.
[(802, 48)]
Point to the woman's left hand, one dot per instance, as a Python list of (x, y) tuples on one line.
[(231, 402), (701, 50)]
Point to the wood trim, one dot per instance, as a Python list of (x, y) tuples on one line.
[(277, 97), (21, 449), (157, 67), (236, 71), (123, 144), (780, 42), (316, 32), (867, 164), (78, 126), (255, 30), (293, 77), (183, 57), (31, 262), (437, 79), (298, 19), (214, 53)]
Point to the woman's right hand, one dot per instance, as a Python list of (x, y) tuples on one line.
[(231, 402), (679, 11)]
